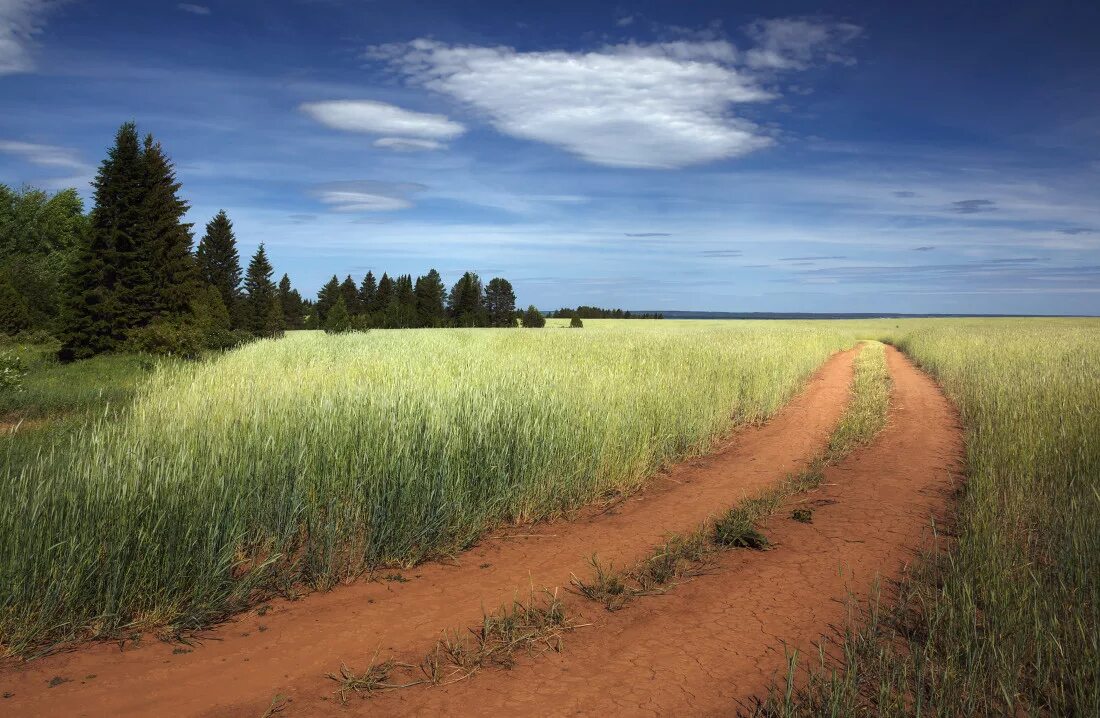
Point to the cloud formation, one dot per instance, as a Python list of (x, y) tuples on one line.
[(661, 105), (43, 155), (193, 9), (20, 21), (403, 129), (367, 195), (973, 206), (797, 43), (648, 234)]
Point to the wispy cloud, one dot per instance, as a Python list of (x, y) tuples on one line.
[(648, 234), (973, 206), (367, 195), (193, 9), (809, 259), (796, 43), (20, 21), (404, 130), (44, 155), (925, 248)]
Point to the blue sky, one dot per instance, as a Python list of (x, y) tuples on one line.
[(696, 156)]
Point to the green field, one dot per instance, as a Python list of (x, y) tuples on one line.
[(309, 459), (300, 462)]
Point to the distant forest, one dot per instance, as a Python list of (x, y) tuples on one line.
[(585, 312), (124, 277)]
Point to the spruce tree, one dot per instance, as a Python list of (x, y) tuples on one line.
[(110, 286), (500, 303), (338, 319), (166, 236), (403, 310), (261, 295), (88, 313), (533, 319), (466, 303), (384, 296), (327, 298), (367, 290), (350, 294), (219, 265), (291, 302), (430, 293), (14, 316)]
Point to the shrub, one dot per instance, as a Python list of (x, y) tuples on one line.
[(12, 371), (533, 319), (576, 323)]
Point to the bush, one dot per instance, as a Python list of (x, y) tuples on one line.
[(12, 371), (178, 337), (576, 323)]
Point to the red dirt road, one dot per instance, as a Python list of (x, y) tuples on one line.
[(713, 643), (288, 650)]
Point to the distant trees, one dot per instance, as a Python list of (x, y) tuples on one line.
[(263, 313), (401, 302), (533, 319), (219, 265), (586, 312), (500, 303), (294, 309)]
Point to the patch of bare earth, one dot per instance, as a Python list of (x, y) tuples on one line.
[(291, 648)]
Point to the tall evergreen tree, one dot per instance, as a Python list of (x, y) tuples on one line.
[(350, 293), (338, 319), (111, 281), (367, 290), (262, 296), (465, 303), (166, 236), (219, 265), (291, 302), (384, 296), (430, 293), (403, 309), (327, 298), (500, 303)]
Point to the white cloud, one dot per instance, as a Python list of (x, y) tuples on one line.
[(407, 144), (367, 195), (794, 43), (405, 130), (193, 9), (43, 155), (20, 21), (663, 105)]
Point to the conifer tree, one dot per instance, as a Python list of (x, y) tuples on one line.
[(219, 264), (466, 303), (384, 296), (367, 290), (327, 298), (403, 310), (500, 303), (14, 316), (350, 294), (430, 293), (110, 285), (291, 302), (338, 319), (533, 319), (261, 295), (166, 237)]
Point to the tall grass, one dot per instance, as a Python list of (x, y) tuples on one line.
[(1006, 621), (307, 460)]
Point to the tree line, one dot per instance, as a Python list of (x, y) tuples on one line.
[(124, 277), (586, 312)]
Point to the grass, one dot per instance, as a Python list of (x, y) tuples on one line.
[(1005, 618), (687, 555), (306, 461), (537, 624)]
